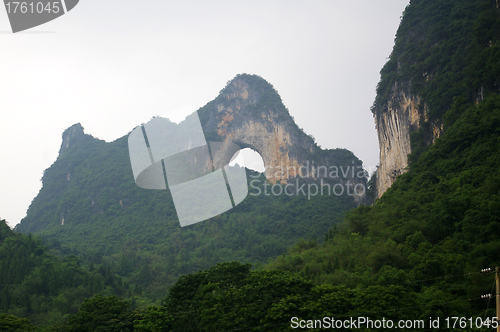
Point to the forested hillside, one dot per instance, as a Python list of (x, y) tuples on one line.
[(37, 284)]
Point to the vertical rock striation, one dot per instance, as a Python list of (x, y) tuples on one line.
[(403, 113)]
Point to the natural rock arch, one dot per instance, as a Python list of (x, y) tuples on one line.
[(249, 113)]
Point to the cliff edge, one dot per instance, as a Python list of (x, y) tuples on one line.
[(443, 57)]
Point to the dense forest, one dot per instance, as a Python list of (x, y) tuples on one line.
[(415, 254), (37, 284)]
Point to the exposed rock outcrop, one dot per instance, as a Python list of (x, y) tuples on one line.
[(403, 113), (70, 136), (442, 58)]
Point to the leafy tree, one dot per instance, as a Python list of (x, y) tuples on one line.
[(154, 319), (11, 323), (101, 313)]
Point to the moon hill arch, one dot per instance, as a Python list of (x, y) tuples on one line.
[(249, 113)]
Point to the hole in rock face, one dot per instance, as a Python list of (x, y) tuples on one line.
[(248, 158)]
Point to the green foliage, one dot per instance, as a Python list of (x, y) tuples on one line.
[(445, 49), (231, 297), (37, 285), (154, 319), (104, 313), (11, 323)]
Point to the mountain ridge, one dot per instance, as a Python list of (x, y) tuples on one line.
[(90, 203)]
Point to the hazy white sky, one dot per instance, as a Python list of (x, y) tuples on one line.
[(112, 65)]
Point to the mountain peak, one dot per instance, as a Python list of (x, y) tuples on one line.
[(70, 136), (246, 89)]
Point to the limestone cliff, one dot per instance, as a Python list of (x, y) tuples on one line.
[(402, 114), (439, 61)]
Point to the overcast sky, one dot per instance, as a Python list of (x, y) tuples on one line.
[(112, 65)]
